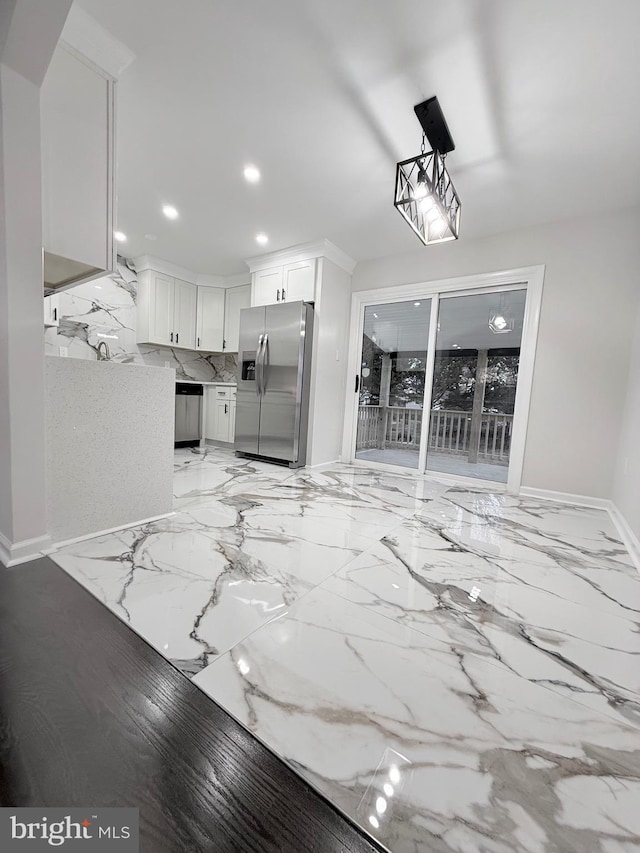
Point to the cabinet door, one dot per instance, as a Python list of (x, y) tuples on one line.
[(232, 420), (267, 286), (209, 430), (299, 281), (222, 420), (236, 298), (210, 319), (184, 314), (52, 310), (78, 158), (160, 300)]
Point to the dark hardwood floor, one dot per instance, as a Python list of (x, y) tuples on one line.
[(90, 715)]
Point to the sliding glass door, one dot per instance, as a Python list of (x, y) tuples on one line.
[(458, 351), (477, 354), (394, 346)]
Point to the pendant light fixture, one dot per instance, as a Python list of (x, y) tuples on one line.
[(425, 195), (500, 321)]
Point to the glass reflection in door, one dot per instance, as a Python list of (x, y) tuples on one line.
[(392, 382), (474, 384)]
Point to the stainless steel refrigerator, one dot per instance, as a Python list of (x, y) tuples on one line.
[(274, 361)]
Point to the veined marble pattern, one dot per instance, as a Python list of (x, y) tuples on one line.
[(456, 669), (105, 310)]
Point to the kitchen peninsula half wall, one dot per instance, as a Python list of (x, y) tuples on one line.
[(109, 445)]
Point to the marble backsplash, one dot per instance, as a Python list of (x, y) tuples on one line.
[(105, 310)]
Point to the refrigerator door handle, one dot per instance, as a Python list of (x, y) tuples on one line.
[(258, 370), (265, 344)]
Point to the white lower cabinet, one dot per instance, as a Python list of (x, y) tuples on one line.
[(220, 413)]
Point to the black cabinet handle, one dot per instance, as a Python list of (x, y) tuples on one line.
[(55, 315), (224, 344), (177, 333), (278, 295), (198, 341), (225, 409), (171, 337), (357, 383), (283, 294)]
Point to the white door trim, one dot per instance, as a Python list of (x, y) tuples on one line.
[(530, 277)]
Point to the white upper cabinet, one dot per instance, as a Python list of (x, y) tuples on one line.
[(210, 319), (78, 156), (184, 314), (52, 310), (166, 311), (287, 283), (267, 286), (236, 298), (161, 296), (299, 281)]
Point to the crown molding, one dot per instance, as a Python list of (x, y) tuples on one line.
[(83, 35), (303, 252)]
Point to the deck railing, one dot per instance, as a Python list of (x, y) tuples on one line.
[(449, 431)]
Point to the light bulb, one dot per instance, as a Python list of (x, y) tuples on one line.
[(437, 225), (426, 203), (169, 211), (420, 191), (499, 322)]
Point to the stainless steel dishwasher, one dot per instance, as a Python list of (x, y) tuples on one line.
[(188, 414)]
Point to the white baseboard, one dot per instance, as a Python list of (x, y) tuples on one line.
[(629, 538), (566, 498), (63, 544), (13, 553)]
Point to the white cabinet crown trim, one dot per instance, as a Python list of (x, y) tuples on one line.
[(303, 252)]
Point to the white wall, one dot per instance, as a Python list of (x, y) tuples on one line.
[(326, 405), (29, 32), (626, 485), (589, 306)]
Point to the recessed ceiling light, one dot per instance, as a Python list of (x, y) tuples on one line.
[(150, 237), (169, 211), (262, 239), (417, 304), (252, 174), (120, 236)]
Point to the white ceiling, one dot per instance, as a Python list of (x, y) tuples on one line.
[(542, 99)]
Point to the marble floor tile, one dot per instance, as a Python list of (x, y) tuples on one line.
[(457, 669), (187, 584), (426, 747)]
